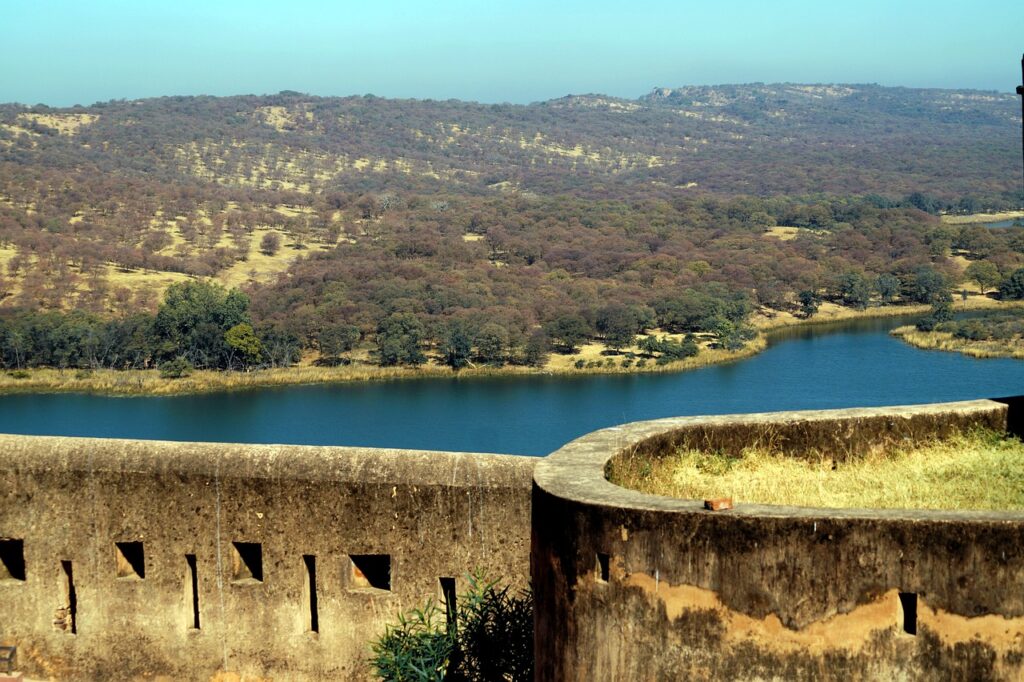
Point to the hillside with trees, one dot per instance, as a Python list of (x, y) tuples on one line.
[(393, 231)]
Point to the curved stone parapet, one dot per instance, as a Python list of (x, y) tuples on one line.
[(631, 586)]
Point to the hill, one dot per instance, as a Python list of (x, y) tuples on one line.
[(682, 210)]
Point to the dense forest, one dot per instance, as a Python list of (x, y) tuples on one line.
[(485, 233)]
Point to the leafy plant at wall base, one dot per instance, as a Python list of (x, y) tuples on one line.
[(495, 633), (417, 649), (489, 638)]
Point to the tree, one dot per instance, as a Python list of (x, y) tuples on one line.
[(457, 345), (1013, 286), (193, 320), (619, 326), (733, 336), (535, 352), (888, 287), (567, 331), (335, 339), (808, 302), (270, 243), (492, 344), (854, 289), (924, 202), (244, 344), (175, 369), (929, 285), (942, 311), (398, 339), (984, 272)]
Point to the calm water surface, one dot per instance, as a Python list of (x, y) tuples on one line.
[(844, 365)]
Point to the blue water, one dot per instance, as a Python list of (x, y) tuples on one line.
[(846, 365), (1002, 223)]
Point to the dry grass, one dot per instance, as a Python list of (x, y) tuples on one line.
[(787, 233), (830, 312), (1008, 348), (977, 470), (259, 266), (64, 124), (982, 217)]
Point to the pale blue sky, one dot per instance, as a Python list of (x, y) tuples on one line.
[(62, 52)]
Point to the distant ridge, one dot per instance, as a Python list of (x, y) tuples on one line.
[(732, 139)]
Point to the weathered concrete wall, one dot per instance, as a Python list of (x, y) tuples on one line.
[(70, 500), (640, 587)]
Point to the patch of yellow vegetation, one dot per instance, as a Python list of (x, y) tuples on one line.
[(830, 312), (64, 124), (360, 164), (259, 267), (982, 217), (934, 340), (470, 237), (281, 118), (290, 211), (977, 470), (18, 130), (786, 233), (136, 279)]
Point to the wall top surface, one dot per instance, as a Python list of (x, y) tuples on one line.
[(43, 454), (576, 471)]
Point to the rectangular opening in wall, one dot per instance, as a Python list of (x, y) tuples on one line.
[(602, 567), (131, 560), (192, 581), (448, 597), (314, 610), (67, 616), (247, 562), (908, 607), (371, 571), (12, 560)]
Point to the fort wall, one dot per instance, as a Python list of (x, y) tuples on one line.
[(143, 560), (193, 561), (630, 586)]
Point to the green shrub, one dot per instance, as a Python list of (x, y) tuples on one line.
[(579, 364), (417, 649), (489, 637), (19, 374), (175, 369)]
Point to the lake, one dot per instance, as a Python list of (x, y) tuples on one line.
[(1003, 223), (849, 364)]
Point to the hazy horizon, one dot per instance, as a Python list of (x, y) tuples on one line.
[(476, 101), (65, 53)]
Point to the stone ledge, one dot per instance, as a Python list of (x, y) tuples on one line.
[(576, 472)]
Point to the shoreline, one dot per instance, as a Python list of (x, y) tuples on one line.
[(946, 342), (126, 383), (147, 382)]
